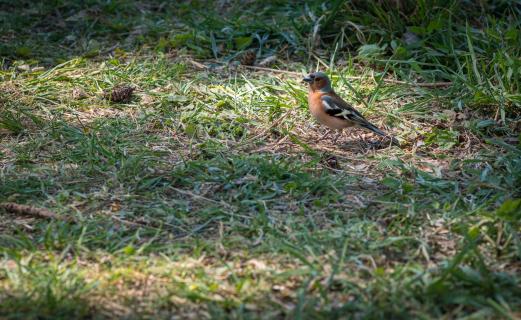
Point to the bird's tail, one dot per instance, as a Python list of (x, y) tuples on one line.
[(371, 127)]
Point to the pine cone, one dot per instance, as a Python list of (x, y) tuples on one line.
[(120, 93), (248, 58), (331, 162)]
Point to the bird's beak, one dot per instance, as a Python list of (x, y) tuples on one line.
[(307, 79)]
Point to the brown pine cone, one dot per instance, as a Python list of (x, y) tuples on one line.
[(330, 162), (248, 58), (120, 93)]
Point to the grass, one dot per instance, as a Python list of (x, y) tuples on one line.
[(210, 195)]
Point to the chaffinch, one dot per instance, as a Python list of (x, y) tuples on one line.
[(331, 110)]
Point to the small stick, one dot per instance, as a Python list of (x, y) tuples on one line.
[(420, 84), (274, 70), (414, 84), (417, 84), (30, 210), (134, 224), (197, 64)]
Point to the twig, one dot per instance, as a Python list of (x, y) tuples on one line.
[(274, 70), (152, 225), (420, 84), (197, 64), (108, 50), (416, 84), (299, 74), (32, 211), (134, 224)]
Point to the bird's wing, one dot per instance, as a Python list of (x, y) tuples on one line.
[(338, 108)]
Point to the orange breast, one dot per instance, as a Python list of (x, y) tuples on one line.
[(317, 110)]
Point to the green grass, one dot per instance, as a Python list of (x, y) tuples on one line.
[(210, 194)]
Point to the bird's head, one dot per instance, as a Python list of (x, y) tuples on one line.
[(318, 81)]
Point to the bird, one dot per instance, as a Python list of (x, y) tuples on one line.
[(332, 111)]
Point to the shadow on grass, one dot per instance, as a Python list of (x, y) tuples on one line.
[(55, 31), (123, 187), (29, 308)]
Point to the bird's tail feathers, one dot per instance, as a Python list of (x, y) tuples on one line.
[(374, 129), (371, 127)]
